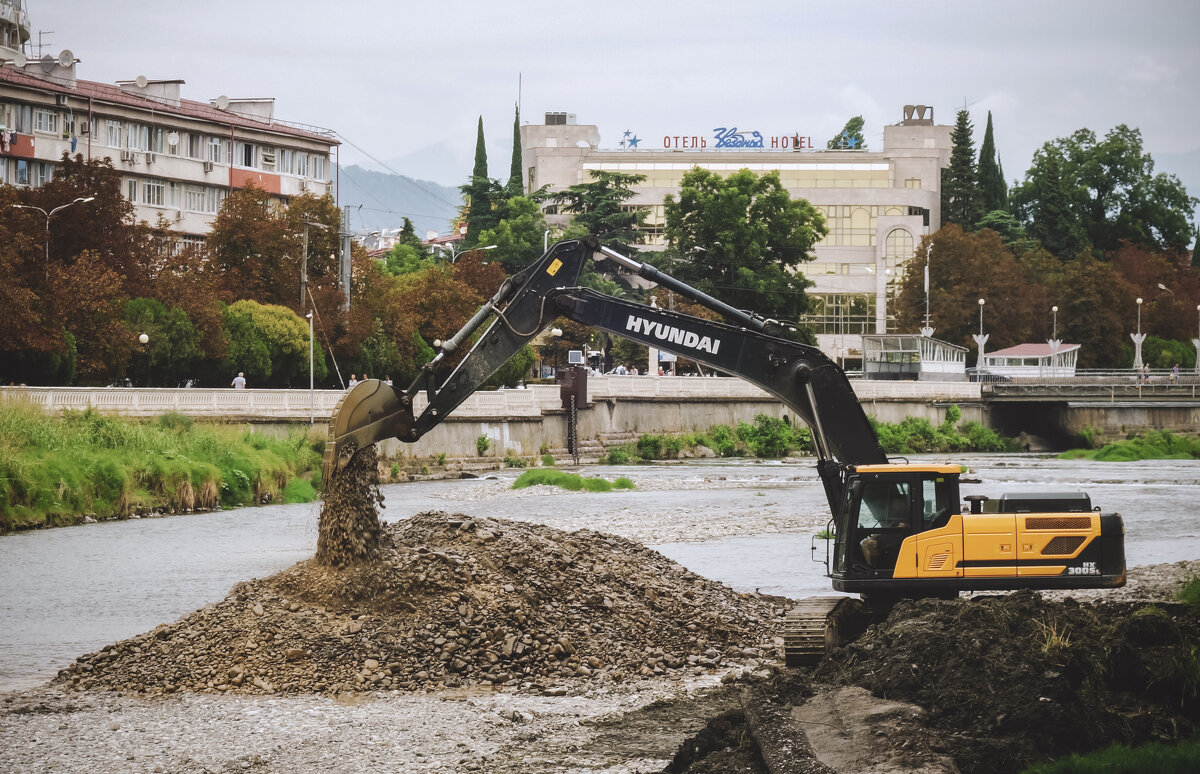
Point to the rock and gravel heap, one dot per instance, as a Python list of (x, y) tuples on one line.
[(1012, 680), (452, 601)]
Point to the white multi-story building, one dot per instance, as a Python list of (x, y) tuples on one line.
[(877, 203), (178, 158)]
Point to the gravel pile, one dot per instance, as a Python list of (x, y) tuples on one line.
[(452, 601)]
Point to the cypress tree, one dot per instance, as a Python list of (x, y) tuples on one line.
[(993, 195), (959, 202), (515, 185), (1053, 222), (478, 191)]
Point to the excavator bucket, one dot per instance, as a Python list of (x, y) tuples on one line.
[(371, 411)]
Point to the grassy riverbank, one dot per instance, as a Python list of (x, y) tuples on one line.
[(1154, 445), (770, 437), (62, 470)]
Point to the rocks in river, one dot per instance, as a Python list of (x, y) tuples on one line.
[(452, 601)]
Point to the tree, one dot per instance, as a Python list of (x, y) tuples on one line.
[(964, 267), (850, 138), (170, 355), (88, 300), (269, 343), (518, 236), (516, 173), (959, 204), (742, 239), (250, 247), (481, 194), (993, 193), (599, 208), (1111, 191), (1048, 211)]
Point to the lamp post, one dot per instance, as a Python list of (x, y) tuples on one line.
[(927, 331), (455, 253), (1138, 338), (980, 338), (143, 339), (304, 258), (556, 334), (311, 394), (1054, 343), (81, 199), (1196, 341)]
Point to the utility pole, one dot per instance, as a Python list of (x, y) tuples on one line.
[(345, 266)]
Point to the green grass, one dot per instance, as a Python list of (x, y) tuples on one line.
[(1153, 445), (1189, 594), (55, 469), (1182, 758), (570, 481)]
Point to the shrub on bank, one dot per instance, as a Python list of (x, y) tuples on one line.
[(569, 481), (55, 470), (1153, 445)]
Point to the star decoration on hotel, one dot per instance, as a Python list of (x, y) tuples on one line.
[(630, 140)]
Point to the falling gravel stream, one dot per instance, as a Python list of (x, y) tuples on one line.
[(748, 524)]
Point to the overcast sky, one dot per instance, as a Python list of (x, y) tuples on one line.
[(397, 77)]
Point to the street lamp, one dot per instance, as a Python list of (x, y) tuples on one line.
[(1138, 338), (455, 253), (1164, 287), (143, 339), (927, 331), (980, 338), (556, 333), (1054, 343), (83, 199), (1196, 341), (311, 394), (304, 258)]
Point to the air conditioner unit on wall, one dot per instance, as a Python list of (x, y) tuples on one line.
[(125, 155), (60, 99), (151, 158), (208, 166), (303, 185)]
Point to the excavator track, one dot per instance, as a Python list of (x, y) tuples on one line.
[(817, 625)]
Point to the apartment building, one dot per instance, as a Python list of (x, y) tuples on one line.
[(877, 203), (178, 158)]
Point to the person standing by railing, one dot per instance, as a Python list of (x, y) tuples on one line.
[(239, 381)]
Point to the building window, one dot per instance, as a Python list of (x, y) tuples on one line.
[(913, 182), (137, 137), (22, 172), (302, 164), (194, 145), (156, 139), (22, 118), (45, 121), (131, 190), (217, 150), (112, 137), (42, 173), (245, 155), (267, 157), (318, 167), (287, 161), (154, 193)]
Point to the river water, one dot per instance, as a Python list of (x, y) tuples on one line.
[(68, 591)]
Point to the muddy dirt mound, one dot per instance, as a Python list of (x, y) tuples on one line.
[(452, 601), (1017, 679)]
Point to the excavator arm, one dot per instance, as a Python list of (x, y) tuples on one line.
[(801, 376)]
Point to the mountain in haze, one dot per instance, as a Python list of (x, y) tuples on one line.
[(380, 200)]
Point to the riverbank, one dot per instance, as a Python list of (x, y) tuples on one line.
[(596, 727), (85, 467)]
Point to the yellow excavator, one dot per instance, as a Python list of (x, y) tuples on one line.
[(899, 530)]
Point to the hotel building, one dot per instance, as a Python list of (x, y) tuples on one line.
[(877, 203)]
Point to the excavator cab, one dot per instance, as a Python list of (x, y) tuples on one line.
[(883, 506)]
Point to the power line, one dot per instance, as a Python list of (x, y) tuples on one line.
[(394, 172)]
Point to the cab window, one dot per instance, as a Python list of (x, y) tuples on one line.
[(938, 502), (884, 505)]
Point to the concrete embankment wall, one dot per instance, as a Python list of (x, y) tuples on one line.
[(521, 421)]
